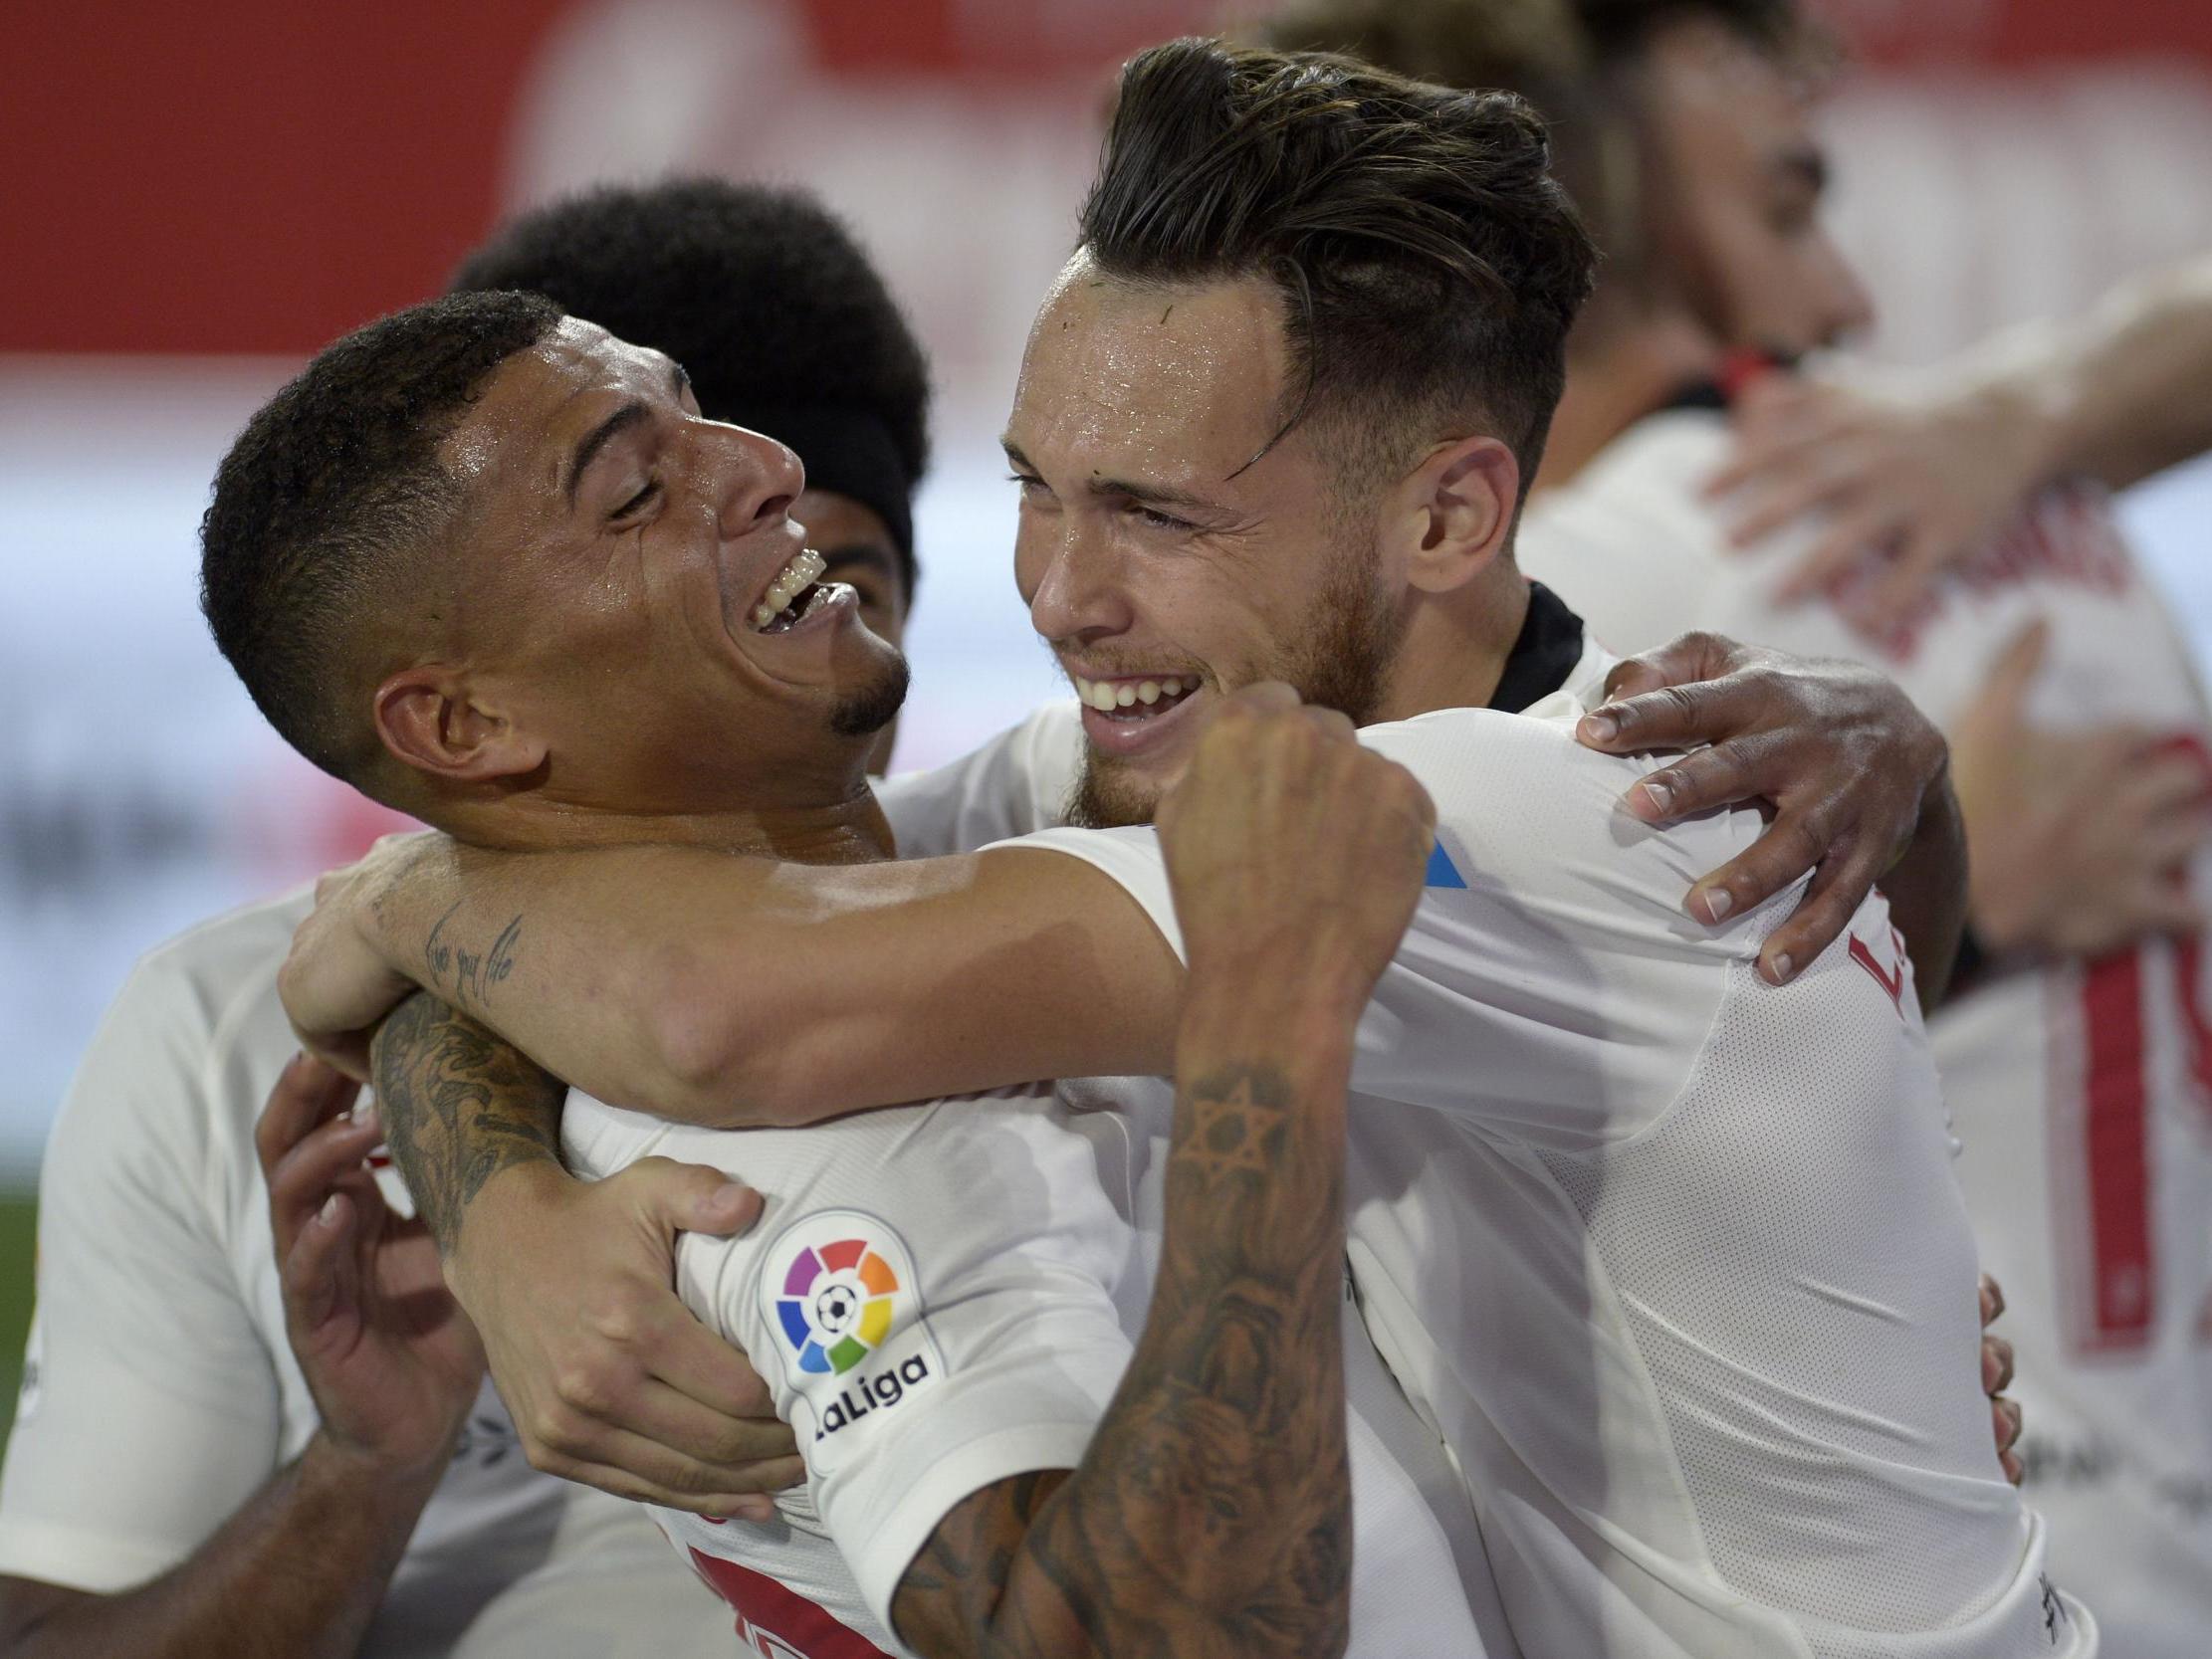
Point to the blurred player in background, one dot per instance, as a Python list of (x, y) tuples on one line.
[(2078, 1061), (223, 1454)]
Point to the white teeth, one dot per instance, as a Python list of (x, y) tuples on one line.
[(806, 568), (1107, 696)]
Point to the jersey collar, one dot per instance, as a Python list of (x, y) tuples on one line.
[(1544, 657)]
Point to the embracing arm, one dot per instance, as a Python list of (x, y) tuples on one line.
[(254, 1590), (1859, 779), (610, 1378), (1212, 1512), (1929, 467), (2125, 392), (459, 1106), (646, 976), (165, 1434)]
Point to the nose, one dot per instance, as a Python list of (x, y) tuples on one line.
[(1845, 306), (1071, 577), (759, 479)]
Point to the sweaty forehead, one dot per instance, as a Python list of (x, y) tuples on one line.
[(1174, 383), (538, 402)]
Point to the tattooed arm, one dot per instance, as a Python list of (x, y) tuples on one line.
[(465, 1114), (459, 1106), (1211, 1514), (652, 977)]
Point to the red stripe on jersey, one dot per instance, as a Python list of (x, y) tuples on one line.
[(778, 1624), (2189, 960), (2116, 1154), (1891, 980)]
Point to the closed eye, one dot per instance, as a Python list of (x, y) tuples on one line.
[(1160, 521), (652, 489)]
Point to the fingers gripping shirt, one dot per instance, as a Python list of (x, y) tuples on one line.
[(168, 1392), (932, 1297), (928, 1296), (2078, 1086), (1674, 1259)]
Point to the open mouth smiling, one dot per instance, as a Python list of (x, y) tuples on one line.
[(795, 594)]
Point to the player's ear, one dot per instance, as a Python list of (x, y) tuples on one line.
[(1454, 512), (432, 718)]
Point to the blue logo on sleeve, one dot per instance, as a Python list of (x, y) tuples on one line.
[(1441, 870)]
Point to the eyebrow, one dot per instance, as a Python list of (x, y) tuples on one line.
[(1120, 488), (629, 415)]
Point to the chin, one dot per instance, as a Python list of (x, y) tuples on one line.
[(873, 702), (1112, 794)]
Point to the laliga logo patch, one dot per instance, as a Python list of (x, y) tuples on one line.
[(842, 1292), (836, 1304)]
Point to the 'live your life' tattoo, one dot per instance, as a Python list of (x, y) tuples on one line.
[(474, 972)]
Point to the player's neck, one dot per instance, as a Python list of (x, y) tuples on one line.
[(837, 823), (1455, 650), (1614, 377)]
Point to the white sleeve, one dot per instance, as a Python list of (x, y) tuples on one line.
[(1017, 783), (1550, 988), (929, 1295), (150, 1407)]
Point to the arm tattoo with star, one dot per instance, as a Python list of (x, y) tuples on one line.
[(1211, 1514), (459, 1106)]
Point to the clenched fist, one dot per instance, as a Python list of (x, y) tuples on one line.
[(1286, 842)]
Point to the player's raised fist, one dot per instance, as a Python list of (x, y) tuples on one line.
[(1289, 844)]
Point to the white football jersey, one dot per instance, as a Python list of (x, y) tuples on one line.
[(942, 1297), (1021, 781), (161, 1391), (1671, 1259), (2081, 1089)]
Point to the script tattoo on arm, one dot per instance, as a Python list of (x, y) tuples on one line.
[(473, 973), (1211, 1515), (459, 1105)]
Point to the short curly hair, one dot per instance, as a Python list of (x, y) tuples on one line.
[(766, 300), (323, 506)]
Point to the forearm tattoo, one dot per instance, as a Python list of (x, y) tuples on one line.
[(469, 975), (1211, 1515), (459, 1106)]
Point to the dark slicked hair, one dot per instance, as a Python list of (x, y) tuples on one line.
[(1538, 49), (769, 303), (326, 498), (1429, 265)]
